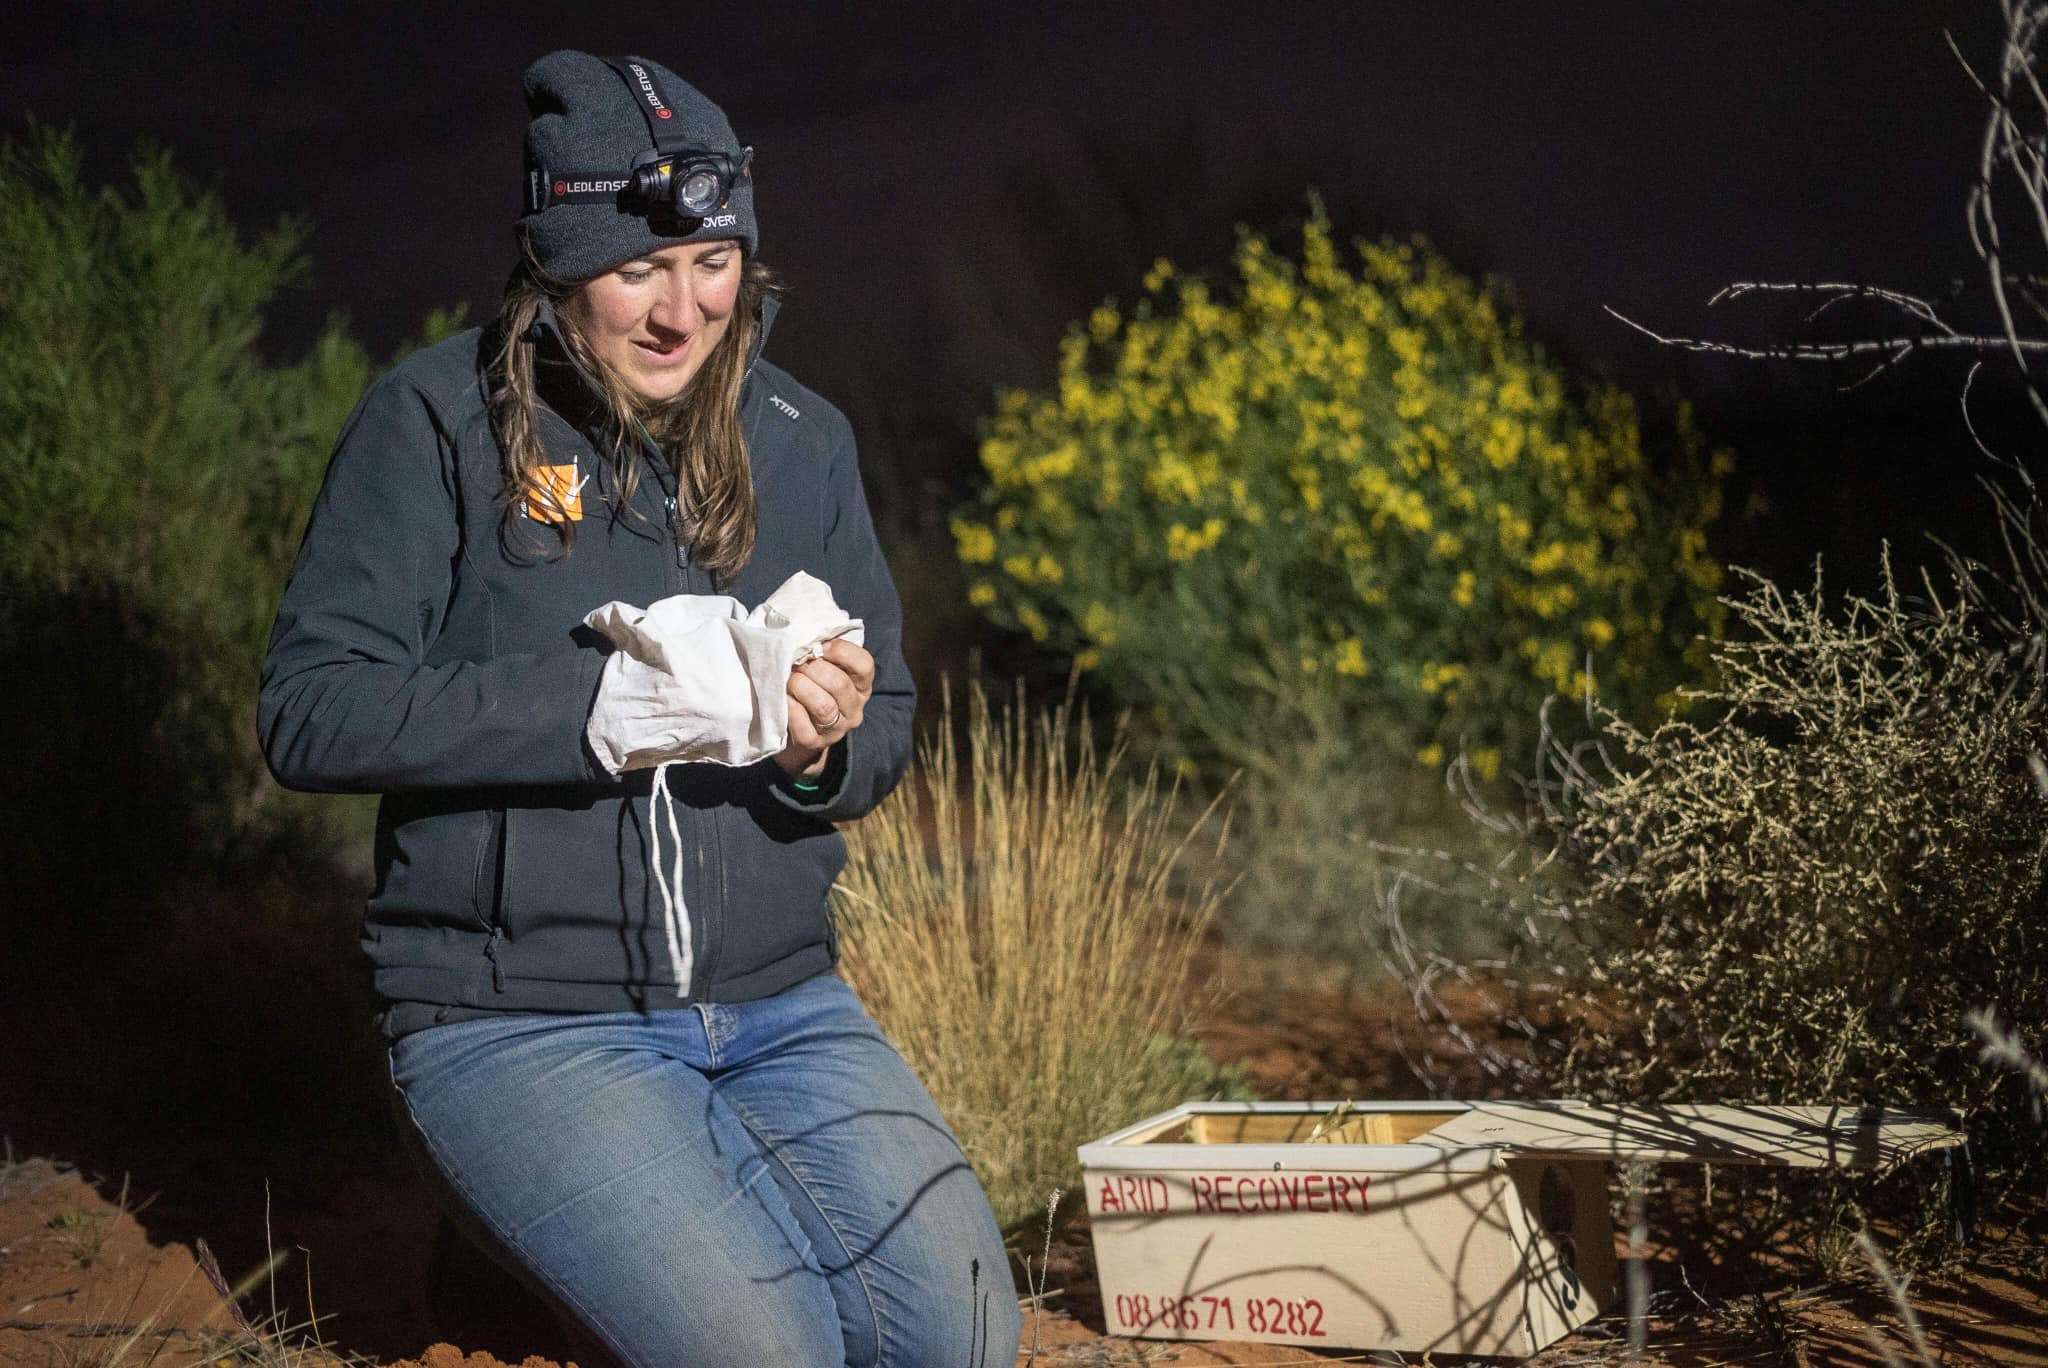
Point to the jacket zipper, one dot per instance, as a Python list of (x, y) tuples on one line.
[(714, 945), (484, 898), (501, 923)]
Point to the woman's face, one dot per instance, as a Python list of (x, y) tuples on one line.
[(655, 318)]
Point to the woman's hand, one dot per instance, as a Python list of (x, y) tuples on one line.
[(827, 697)]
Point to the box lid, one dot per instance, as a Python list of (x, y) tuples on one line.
[(1796, 1137)]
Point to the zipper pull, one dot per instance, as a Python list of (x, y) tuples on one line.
[(676, 531), (491, 954)]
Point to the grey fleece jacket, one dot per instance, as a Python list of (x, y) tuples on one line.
[(425, 651)]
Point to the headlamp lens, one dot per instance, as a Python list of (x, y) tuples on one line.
[(699, 191)]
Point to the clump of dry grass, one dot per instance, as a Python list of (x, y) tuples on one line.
[(272, 1340), (269, 1342), (1804, 899), (1016, 926)]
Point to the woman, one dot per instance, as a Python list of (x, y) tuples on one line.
[(733, 1166)]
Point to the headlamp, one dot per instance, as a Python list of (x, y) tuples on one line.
[(667, 179), (691, 184)]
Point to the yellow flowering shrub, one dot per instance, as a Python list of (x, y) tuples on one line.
[(1340, 496)]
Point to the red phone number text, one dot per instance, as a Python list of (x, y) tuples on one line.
[(1301, 1317)]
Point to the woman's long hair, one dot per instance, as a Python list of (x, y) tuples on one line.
[(699, 430)]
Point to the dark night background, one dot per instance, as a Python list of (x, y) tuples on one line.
[(946, 188)]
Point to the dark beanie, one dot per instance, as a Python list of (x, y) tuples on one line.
[(588, 127)]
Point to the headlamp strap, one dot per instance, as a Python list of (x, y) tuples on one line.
[(640, 85)]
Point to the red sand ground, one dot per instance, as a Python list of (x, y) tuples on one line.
[(71, 1261), (80, 1272), (448, 1356)]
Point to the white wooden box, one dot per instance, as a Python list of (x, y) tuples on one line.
[(1460, 1227)]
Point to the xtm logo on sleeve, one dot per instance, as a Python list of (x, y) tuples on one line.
[(557, 494)]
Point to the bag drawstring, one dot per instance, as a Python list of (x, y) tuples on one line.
[(674, 914)]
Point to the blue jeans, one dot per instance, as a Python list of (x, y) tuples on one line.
[(760, 1183)]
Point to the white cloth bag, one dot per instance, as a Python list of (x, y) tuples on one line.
[(695, 677)]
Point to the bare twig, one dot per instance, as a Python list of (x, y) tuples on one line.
[(2011, 165), (1896, 349), (83, 1330)]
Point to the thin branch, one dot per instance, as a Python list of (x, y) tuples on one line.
[(82, 1330), (1838, 292), (1900, 347)]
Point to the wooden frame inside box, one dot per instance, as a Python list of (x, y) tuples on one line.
[(1466, 1227)]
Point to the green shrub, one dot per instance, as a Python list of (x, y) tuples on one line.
[(161, 471), (1027, 949), (1335, 520), (160, 886), (1805, 900), (1354, 496)]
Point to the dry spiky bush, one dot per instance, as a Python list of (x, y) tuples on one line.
[(1804, 899), (1028, 950)]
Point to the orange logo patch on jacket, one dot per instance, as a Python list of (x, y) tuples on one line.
[(558, 497)]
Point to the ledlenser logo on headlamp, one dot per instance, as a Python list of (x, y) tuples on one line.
[(585, 187), (647, 87)]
